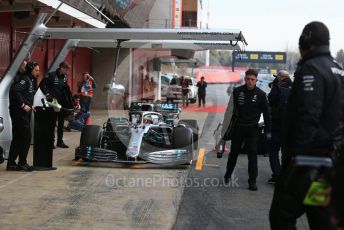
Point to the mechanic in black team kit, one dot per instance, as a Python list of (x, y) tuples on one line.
[(21, 105), (55, 85), (249, 103), (312, 122)]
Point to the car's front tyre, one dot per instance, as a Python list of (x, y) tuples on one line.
[(182, 138)]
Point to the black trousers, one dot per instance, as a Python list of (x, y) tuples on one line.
[(287, 204), (273, 147), (248, 138), (185, 98), (201, 99), (59, 121), (21, 133)]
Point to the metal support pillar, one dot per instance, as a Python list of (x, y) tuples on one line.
[(61, 56)]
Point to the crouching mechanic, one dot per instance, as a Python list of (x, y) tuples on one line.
[(314, 112), (249, 103), (21, 96), (79, 117)]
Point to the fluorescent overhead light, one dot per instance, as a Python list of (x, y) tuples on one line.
[(74, 13)]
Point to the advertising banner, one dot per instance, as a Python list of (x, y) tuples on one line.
[(260, 57)]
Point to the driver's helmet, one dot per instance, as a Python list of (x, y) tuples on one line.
[(148, 119)]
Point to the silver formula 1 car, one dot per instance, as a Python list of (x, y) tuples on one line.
[(151, 134)]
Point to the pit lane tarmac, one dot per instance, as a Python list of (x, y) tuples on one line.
[(208, 203)]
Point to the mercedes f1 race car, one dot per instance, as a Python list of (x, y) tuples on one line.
[(151, 134)]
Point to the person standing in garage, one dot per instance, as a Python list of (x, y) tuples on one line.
[(55, 85), (85, 88), (202, 85), (249, 103), (21, 98), (185, 91)]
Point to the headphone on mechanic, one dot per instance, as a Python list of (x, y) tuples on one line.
[(30, 66), (306, 38)]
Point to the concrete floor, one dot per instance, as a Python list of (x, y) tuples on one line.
[(84, 197)]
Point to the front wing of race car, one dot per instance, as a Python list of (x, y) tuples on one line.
[(163, 157), (173, 156)]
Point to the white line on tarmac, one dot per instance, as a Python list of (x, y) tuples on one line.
[(15, 180), (24, 176)]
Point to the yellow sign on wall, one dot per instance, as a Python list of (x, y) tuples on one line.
[(279, 57), (260, 57), (273, 71), (254, 56)]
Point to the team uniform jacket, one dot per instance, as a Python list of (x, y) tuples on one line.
[(22, 91), (55, 84), (248, 106), (315, 104)]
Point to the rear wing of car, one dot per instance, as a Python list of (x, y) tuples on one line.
[(156, 107), (167, 107)]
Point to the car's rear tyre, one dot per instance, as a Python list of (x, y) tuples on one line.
[(193, 124)]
